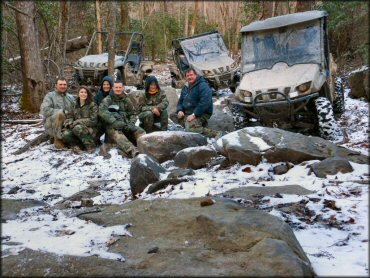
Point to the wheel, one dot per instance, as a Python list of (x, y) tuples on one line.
[(328, 126), (239, 117), (338, 103)]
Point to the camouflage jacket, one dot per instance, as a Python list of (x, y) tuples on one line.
[(54, 102), (86, 114), (127, 112), (158, 100)]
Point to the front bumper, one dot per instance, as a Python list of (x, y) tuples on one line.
[(222, 80), (90, 75), (285, 101)]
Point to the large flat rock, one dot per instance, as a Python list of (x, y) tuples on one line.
[(188, 240), (249, 192), (214, 240)]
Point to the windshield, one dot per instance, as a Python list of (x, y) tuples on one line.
[(295, 44), (204, 48)]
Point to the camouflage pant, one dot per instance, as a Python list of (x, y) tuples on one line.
[(198, 125), (53, 124), (121, 139), (100, 130), (147, 120), (79, 134)]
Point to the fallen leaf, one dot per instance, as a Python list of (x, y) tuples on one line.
[(247, 169), (207, 202)]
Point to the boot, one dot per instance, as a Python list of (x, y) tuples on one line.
[(134, 152), (58, 143), (104, 151), (90, 148), (76, 150)]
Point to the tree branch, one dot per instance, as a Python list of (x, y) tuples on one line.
[(16, 9)]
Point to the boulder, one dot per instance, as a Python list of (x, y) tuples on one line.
[(282, 168), (144, 171), (194, 157), (359, 83), (164, 145), (249, 145), (331, 166), (222, 119), (173, 98)]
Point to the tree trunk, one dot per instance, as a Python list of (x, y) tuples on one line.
[(125, 18), (195, 17), (62, 35), (98, 26), (186, 26), (111, 35), (32, 69)]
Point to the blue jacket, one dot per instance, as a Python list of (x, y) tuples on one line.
[(196, 99), (100, 95)]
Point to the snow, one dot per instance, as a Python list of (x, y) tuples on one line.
[(51, 175)]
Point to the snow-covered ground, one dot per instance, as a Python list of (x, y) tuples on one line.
[(335, 238)]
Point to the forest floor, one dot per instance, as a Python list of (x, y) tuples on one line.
[(335, 236)]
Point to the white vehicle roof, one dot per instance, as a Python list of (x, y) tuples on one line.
[(283, 20)]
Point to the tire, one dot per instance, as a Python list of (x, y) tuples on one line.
[(328, 126), (173, 82), (239, 117), (338, 103)]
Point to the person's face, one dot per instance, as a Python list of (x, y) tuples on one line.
[(152, 86), (82, 94), (191, 77), (61, 86), (118, 88), (106, 86)]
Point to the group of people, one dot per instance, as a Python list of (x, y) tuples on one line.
[(80, 122)]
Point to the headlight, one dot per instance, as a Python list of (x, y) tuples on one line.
[(245, 93), (303, 87), (105, 64), (234, 65), (207, 72)]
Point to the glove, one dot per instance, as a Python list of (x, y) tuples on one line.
[(76, 122), (68, 123), (118, 125)]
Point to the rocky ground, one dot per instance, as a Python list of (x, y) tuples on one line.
[(68, 214)]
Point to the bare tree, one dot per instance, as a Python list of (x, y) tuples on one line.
[(186, 26), (111, 36), (62, 35), (32, 71), (98, 26), (195, 16)]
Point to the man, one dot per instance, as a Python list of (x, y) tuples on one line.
[(55, 107), (195, 106), (154, 109), (118, 114)]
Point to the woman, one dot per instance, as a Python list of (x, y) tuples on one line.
[(104, 91), (80, 126)]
